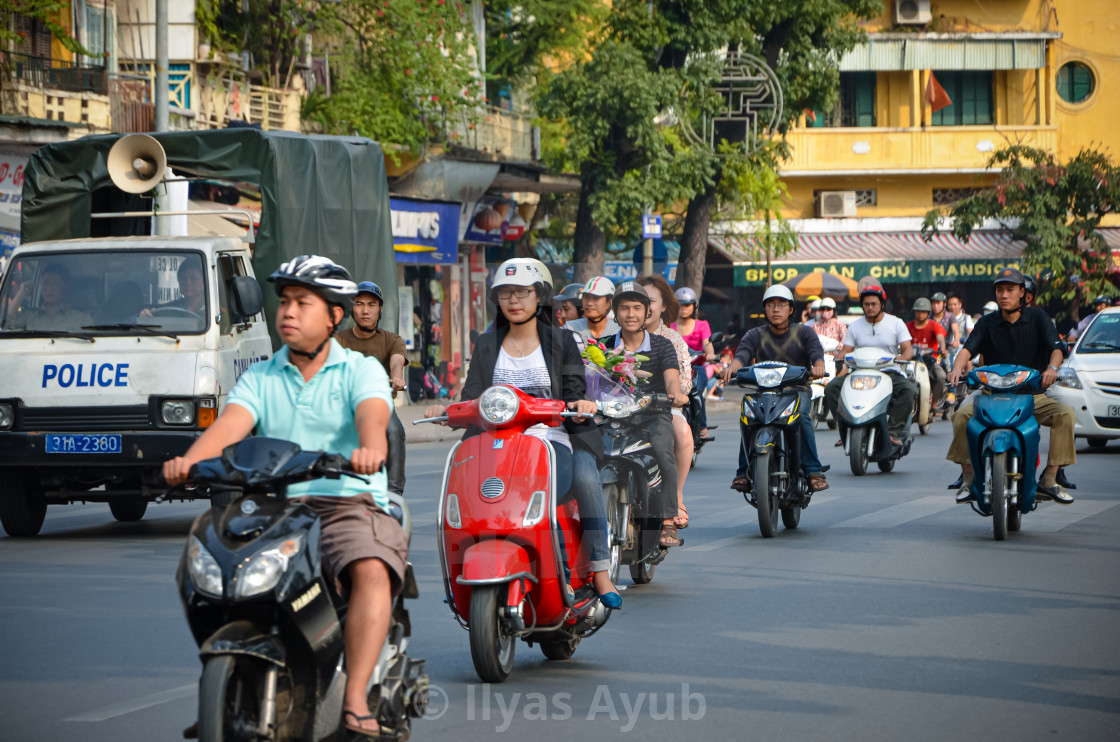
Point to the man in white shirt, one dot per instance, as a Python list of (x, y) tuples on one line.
[(877, 329)]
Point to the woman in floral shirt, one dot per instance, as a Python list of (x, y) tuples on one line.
[(663, 310)]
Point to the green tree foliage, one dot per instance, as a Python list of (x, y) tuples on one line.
[(270, 31), (526, 39), (1056, 209), (48, 12), (407, 75)]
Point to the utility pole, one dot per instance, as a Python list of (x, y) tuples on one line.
[(163, 114)]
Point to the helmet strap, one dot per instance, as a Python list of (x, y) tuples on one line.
[(319, 349)]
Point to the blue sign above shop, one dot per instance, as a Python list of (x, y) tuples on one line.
[(425, 232)]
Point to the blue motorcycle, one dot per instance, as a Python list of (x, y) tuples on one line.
[(1003, 441)]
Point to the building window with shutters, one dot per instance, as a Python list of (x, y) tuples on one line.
[(856, 106), (971, 96), (1075, 82), (99, 34)]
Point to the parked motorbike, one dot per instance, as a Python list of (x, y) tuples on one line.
[(862, 413), (817, 411), (1003, 440), (268, 625), (504, 543), (631, 476), (772, 440)]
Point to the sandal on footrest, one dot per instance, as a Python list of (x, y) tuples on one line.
[(681, 521), (669, 537), (817, 483)]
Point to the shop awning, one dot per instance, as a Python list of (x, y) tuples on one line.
[(949, 51)]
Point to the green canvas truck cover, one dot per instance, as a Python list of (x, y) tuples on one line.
[(324, 195)]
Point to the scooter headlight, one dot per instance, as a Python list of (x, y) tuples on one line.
[(498, 405), (864, 381), (264, 569), (1067, 377), (619, 407), (203, 569), (995, 381), (768, 377), (535, 511), (748, 409), (790, 408), (454, 518)]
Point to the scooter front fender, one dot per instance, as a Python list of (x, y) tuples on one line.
[(766, 438), (494, 561), (245, 638)]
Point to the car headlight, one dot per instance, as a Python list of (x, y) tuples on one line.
[(177, 412), (769, 376), (264, 569), (7, 416), (203, 569), (865, 381), (498, 405), (995, 381), (1067, 377)]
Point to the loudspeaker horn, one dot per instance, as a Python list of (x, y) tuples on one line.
[(136, 163)]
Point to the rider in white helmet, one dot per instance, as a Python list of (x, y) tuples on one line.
[(526, 351), (814, 312), (782, 340), (596, 321)]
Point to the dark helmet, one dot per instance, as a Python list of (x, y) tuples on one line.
[(321, 275), (571, 292), (630, 290), (1102, 299), (1030, 285), (369, 287), (873, 289), (939, 296)]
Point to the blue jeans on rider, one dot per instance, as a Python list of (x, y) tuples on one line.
[(578, 476), (810, 461)]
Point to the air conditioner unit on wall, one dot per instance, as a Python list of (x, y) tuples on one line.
[(836, 203), (912, 12)]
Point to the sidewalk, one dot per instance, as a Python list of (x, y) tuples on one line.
[(429, 432)]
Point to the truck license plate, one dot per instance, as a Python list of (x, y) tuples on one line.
[(83, 443), (1114, 410)]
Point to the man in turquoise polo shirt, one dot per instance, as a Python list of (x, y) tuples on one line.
[(323, 397)]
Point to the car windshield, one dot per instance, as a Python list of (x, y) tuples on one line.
[(1103, 335), (123, 292)]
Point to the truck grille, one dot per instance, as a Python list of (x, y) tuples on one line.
[(82, 419)]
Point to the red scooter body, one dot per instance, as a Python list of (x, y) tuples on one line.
[(504, 543)]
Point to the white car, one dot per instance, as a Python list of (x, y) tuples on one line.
[(1089, 380)]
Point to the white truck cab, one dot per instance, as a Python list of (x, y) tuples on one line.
[(115, 353)]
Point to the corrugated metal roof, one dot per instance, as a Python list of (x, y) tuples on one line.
[(893, 54)]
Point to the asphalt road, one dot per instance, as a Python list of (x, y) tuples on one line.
[(890, 614)]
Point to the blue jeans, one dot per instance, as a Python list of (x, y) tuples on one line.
[(577, 475), (810, 461)]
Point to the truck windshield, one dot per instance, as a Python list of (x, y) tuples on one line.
[(124, 292)]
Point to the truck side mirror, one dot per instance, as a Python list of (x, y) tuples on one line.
[(247, 299)]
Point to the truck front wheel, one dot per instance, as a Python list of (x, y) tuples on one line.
[(22, 505), (127, 509)]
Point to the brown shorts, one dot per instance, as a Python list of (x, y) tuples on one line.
[(355, 528)]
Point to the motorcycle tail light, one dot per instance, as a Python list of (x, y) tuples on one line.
[(535, 512), (454, 519)]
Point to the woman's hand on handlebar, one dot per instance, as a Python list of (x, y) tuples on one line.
[(176, 470), (366, 460), (585, 407), (436, 410)]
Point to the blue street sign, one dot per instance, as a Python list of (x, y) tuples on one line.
[(651, 226)]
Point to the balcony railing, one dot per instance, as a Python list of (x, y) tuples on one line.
[(44, 72), (929, 148), (495, 133)]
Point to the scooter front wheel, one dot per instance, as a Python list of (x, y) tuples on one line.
[(491, 647), (228, 700), (999, 495), (857, 450), (765, 501)]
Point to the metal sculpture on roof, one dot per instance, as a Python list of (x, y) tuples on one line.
[(751, 105)]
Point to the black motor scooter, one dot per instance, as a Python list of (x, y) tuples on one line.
[(268, 626)]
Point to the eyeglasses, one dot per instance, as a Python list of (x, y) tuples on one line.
[(507, 294)]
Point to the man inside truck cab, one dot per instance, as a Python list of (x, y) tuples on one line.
[(54, 312), (323, 397), (192, 287)]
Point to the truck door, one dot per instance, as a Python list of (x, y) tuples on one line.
[(243, 341)]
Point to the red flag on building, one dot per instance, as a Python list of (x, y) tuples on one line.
[(936, 95)]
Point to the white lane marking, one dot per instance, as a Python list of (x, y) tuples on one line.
[(732, 540), (137, 704), (1056, 517), (896, 515)]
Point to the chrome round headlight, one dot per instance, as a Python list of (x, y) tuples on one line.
[(498, 405)]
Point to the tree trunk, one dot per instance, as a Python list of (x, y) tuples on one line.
[(694, 242), (589, 250)]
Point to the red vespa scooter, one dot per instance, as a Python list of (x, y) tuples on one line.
[(505, 546)]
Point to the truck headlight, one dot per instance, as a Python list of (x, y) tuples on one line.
[(177, 411), (203, 569), (266, 567), (7, 415)]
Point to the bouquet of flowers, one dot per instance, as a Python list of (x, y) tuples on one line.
[(621, 365)]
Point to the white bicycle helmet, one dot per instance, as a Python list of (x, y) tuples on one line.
[(322, 275)]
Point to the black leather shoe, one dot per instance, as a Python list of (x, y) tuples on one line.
[(1056, 493), (957, 484), (1062, 480)]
